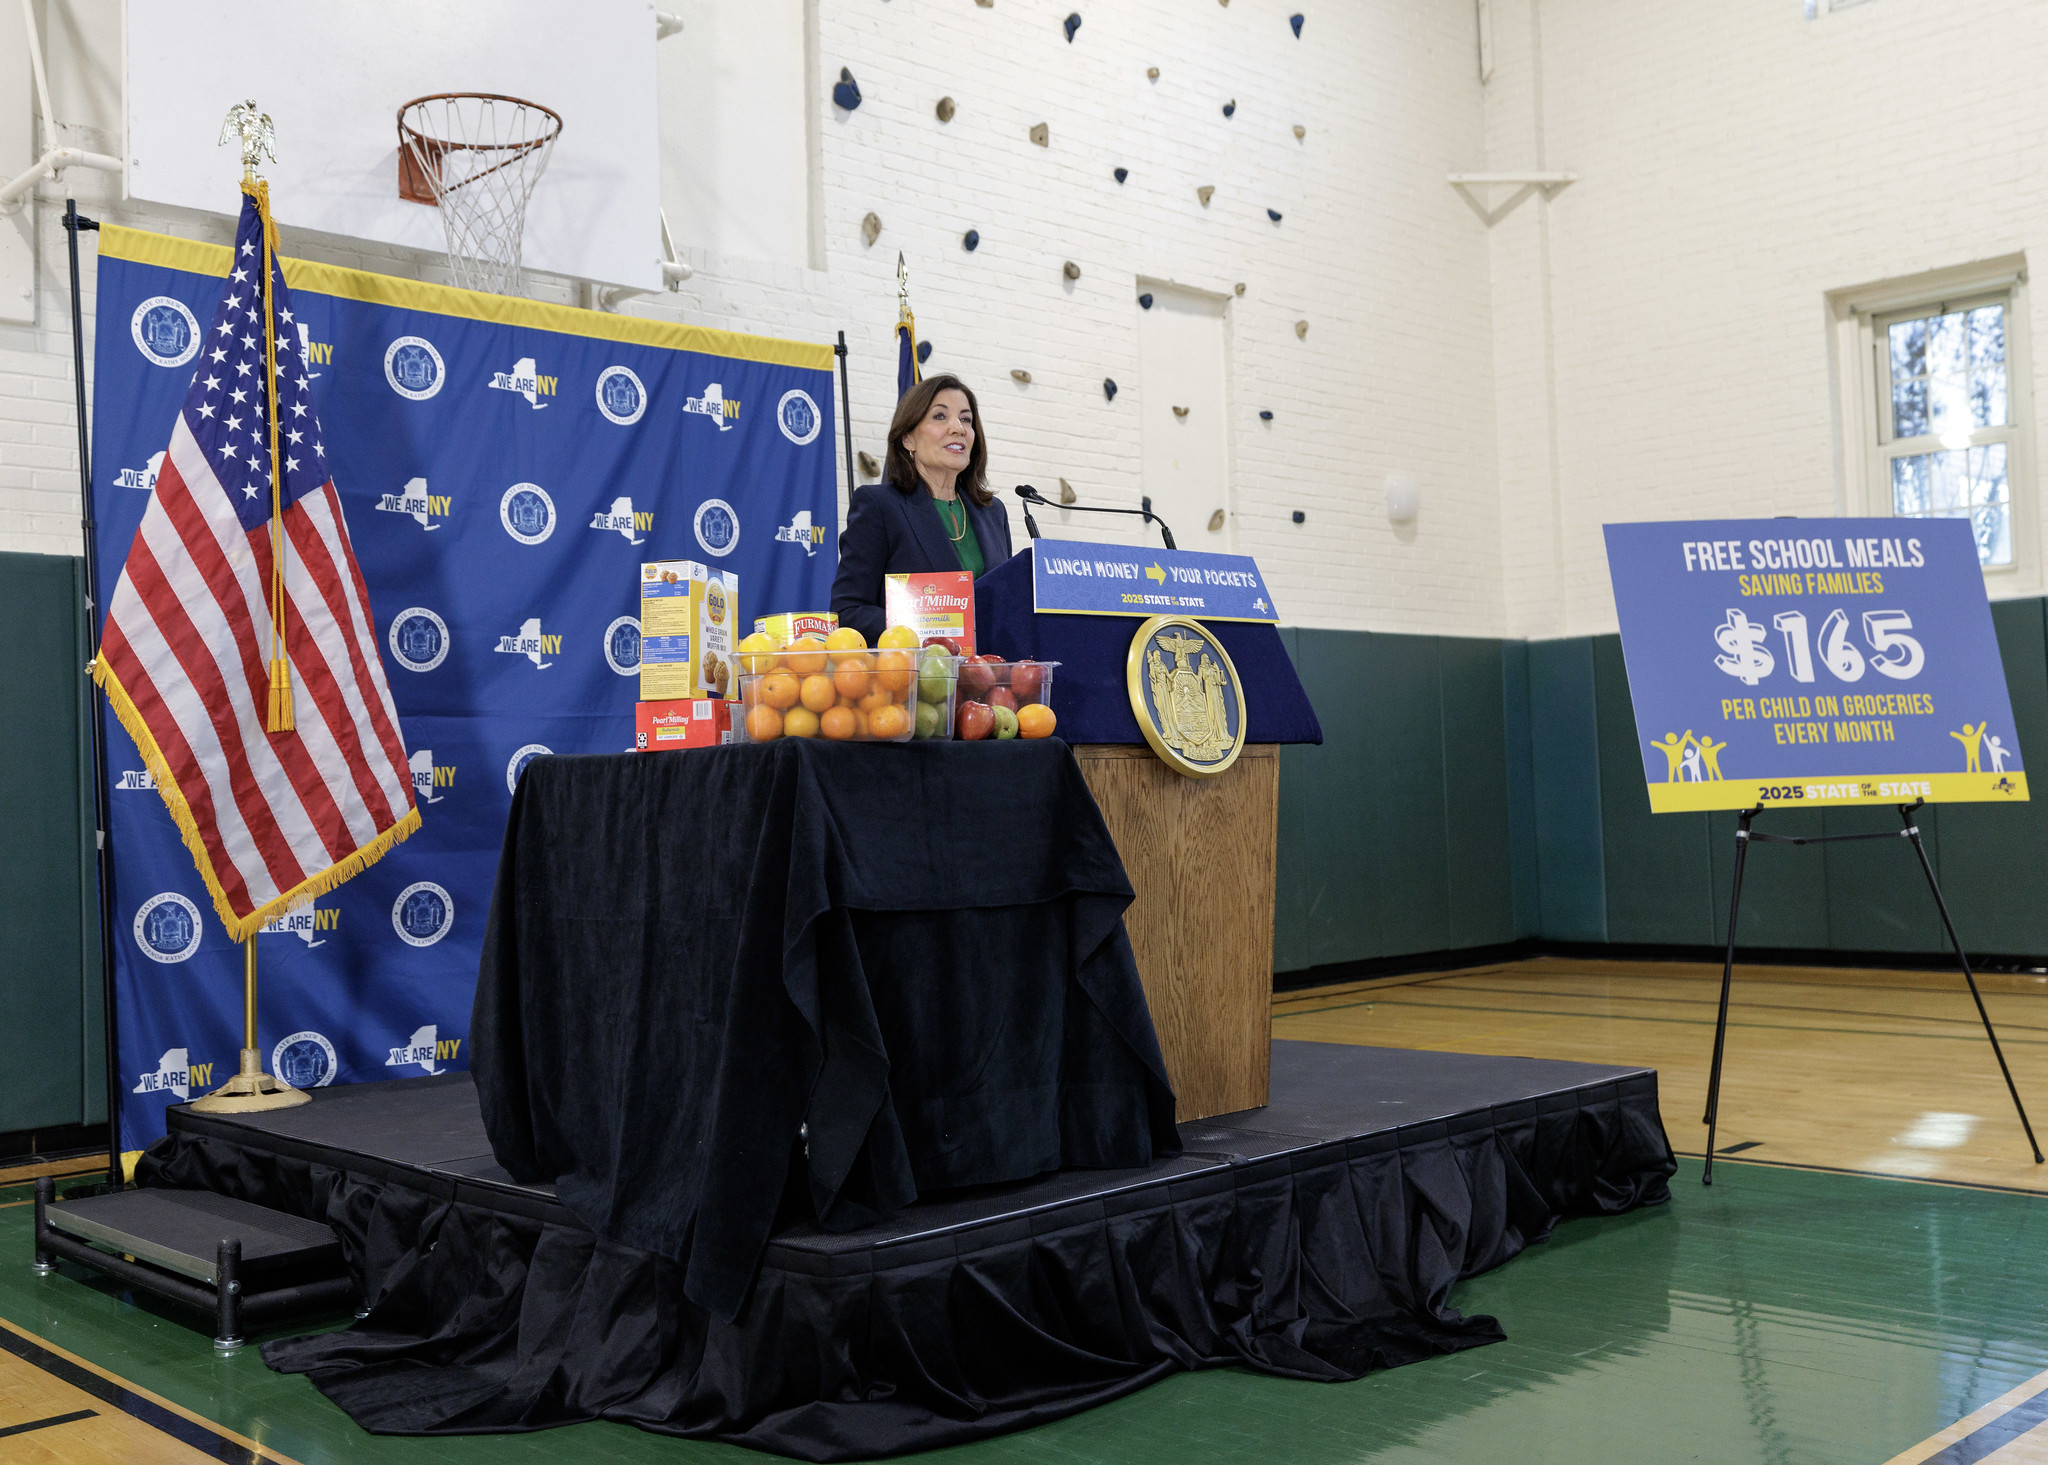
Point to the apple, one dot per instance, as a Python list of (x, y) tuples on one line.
[(1006, 721), (1027, 680), (1002, 697), (944, 643), (975, 721), (929, 720), (977, 674)]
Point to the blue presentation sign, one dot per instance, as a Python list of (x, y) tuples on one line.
[(1812, 661), (505, 467), (1073, 577)]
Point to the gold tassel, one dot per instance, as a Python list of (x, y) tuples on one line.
[(280, 718)]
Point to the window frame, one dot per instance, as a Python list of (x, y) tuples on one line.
[(1863, 318)]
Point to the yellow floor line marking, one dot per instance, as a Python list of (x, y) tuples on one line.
[(1965, 1427), (158, 1399)]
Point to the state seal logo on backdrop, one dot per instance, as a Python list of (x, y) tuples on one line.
[(166, 331), (422, 913), (527, 513), (622, 646), (519, 761), (717, 527), (1186, 695), (621, 396), (414, 368), (167, 928), (798, 417), (418, 638), (305, 1060)]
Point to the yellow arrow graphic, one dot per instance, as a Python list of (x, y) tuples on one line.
[(1156, 575)]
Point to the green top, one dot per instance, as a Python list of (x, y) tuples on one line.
[(960, 529)]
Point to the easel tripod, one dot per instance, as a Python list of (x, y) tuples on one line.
[(1744, 835)]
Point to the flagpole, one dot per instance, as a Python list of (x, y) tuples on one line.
[(103, 850)]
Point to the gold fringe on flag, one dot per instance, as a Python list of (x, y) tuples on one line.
[(280, 710)]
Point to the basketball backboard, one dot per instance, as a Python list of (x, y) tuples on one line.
[(332, 78)]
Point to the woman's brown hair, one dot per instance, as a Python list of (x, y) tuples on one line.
[(916, 405)]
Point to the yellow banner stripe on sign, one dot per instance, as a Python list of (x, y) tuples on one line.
[(200, 258), (1877, 789)]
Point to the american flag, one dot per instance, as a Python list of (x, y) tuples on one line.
[(272, 818)]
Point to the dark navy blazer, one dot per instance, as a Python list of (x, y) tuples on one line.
[(892, 533)]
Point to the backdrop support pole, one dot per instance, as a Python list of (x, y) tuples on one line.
[(845, 412), (103, 853), (1727, 979), (1927, 867)]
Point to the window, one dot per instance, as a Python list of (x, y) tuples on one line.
[(1937, 409), (1946, 433)]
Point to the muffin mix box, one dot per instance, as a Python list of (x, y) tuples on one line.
[(688, 616)]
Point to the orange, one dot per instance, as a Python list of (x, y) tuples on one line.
[(779, 690), (899, 638), (851, 679), (764, 725), (816, 692), (892, 670), (846, 638), (798, 723), (876, 697), (1036, 721), (805, 656), (889, 722), (839, 723)]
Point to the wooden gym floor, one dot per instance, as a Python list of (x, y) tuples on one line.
[(1805, 1309)]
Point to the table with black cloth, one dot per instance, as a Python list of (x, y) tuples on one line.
[(731, 986)]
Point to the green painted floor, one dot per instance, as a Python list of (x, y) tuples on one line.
[(1782, 1316)]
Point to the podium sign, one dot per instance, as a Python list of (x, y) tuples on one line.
[(1069, 577), (1801, 662)]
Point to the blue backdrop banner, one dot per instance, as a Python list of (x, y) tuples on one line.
[(1812, 662), (505, 467)]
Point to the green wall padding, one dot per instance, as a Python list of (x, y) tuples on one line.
[(50, 1035), (1564, 750)]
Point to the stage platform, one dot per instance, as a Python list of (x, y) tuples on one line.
[(1315, 1238)]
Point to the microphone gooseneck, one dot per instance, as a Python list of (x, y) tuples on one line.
[(1030, 494)]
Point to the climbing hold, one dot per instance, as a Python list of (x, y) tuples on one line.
[(1109, 388), (1020, 376), (1273, 214), (986, 4), (1145, 302), (1295, 20), (871, 228), (1205, 192), (1067, 494), (971, 240), (1041, 134), (1180, 412), (1071, 270), (1300, 517), (869, 468), (1073, 23), (924, 354), (1301, 330), (946, 109), (1240, 287), (1122, 174), (847, 93), (1230, 107), (1265, 417), (1152, 73), (1216, 522), (1299, 132)]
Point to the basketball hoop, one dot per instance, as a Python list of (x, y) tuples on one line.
[(477, 156)]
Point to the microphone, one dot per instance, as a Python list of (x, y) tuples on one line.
[(1031, 495)]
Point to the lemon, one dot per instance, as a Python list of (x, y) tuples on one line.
[(846, 638), (898, 638), (756, 653)]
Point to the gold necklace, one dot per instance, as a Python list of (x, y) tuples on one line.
[(947, 519)]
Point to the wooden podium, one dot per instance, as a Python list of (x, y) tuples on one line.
[(1200, 852)]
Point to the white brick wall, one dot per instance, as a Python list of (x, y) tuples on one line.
[(1382, 258), (1737, 163)]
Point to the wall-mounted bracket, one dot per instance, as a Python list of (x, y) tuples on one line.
[(53, 160), (1470, 186)]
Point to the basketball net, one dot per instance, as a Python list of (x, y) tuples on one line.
[(477, 157)]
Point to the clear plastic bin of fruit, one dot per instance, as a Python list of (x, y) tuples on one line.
[(843, 693), (998, 699)]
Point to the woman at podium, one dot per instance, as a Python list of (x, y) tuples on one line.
[(931, 511)]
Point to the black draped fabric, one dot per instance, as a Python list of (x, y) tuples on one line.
[(893, 968), (1310, 1258)]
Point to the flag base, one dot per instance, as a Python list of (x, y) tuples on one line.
[(251, 1091)]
